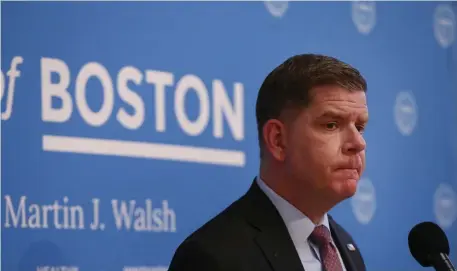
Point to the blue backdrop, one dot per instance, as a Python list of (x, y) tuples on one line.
[(125, 126)]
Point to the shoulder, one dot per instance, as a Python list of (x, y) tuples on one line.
[(221, 228), (216, 244)]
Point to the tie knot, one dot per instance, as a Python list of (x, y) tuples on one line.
[(321, 236)]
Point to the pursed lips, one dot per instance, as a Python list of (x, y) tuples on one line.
[(351, 171)]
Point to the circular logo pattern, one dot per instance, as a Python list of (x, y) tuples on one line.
[(364, 201), (444, 25), (277, 8), (445, 205), (405, 112), (364, 15)]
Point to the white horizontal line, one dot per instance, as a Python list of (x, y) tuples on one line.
[(98, 146)]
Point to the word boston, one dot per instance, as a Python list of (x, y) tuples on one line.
[(56, 84), (220, 106)]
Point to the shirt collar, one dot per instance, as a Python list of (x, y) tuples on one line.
[(299, 226)]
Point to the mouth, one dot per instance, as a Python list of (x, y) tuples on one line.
[(351, 173)]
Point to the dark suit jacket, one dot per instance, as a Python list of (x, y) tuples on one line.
[(250, 235)]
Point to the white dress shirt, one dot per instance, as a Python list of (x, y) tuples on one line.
[(300, 228)]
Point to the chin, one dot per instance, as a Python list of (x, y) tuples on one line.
[(346, 188)]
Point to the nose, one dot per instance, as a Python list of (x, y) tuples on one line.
[(355, 143)]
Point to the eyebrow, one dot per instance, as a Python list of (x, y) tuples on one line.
[(331, 114)]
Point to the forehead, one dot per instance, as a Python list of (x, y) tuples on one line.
[(334, 97)]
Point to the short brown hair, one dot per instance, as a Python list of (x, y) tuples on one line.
[(289, 85)]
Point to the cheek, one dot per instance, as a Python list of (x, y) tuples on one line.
[(299, 154), (311, 150), (325, 150), (363, 158), (300, 157), (314, 159)]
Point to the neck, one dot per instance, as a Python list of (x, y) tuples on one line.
[(309, 202)]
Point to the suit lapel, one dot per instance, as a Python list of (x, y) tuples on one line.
[(343, 243), (279, 251), (271, 235)]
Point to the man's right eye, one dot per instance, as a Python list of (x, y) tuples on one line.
[(331, 126)]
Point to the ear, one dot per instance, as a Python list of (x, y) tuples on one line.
[(274, 138)]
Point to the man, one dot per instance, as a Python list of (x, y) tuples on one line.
[(311, 113)]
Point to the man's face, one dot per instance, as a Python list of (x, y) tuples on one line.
[(326, 149)]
